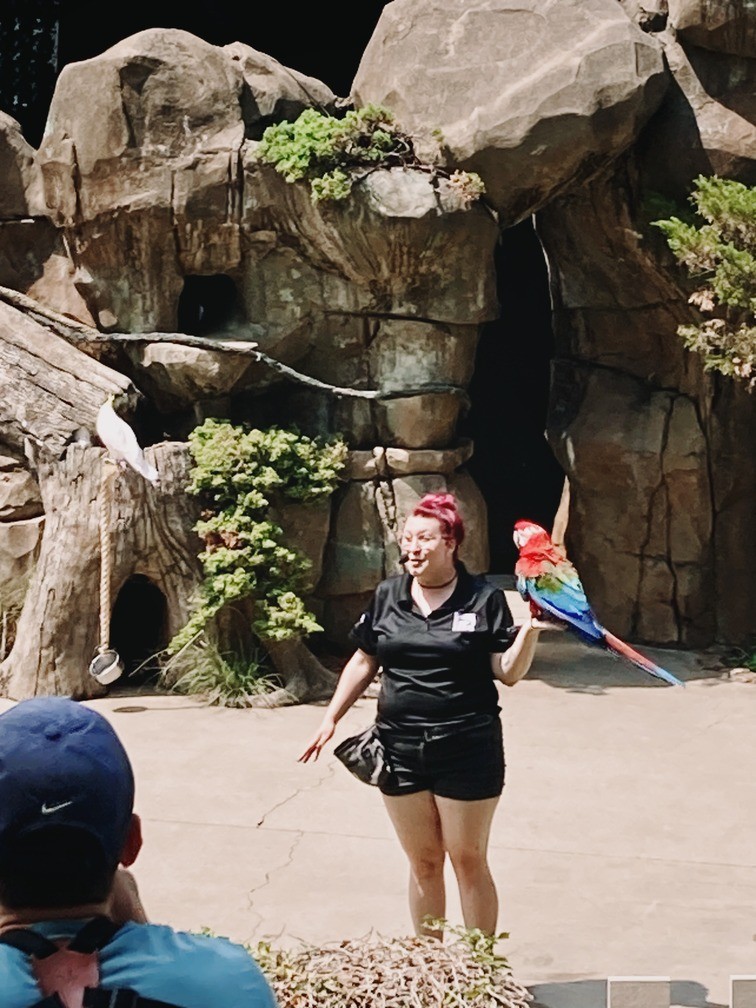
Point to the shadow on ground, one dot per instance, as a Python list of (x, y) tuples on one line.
[(566, 663)]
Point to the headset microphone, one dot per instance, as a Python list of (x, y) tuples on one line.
[(404, 558)]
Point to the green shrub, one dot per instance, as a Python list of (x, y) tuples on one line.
[(332, 153), (719, 253), (238, 474), (223, 679)]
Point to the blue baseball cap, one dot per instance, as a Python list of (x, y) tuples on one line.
[(62, 764)]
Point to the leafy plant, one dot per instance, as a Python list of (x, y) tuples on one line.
[(743, 656), (719, 252), (332, 153), (468, 185), (238, 473), (657, 205), (223, 679), (395, 973)]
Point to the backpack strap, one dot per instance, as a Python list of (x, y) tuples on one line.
[(64, 969), (67, 974), (94, 936), (29, 942), (101, 998), (74, 973)]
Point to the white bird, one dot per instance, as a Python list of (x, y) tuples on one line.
[(121, 443)]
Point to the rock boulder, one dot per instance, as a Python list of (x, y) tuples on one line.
[(720, 25), (533, 96)]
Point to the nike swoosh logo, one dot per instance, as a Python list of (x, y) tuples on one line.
[(49, 809)]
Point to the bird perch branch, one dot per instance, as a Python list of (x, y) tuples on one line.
[(83, 336)]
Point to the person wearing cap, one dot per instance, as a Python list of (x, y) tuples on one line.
[(66, 825)]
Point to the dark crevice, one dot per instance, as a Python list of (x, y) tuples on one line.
[(512, 462), (207, 304), (653, 23), (138, 628), (175, 225)]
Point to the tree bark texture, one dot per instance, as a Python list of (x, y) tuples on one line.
[(150, 534), (48, 388), (304, 678)]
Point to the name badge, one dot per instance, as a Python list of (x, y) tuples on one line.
[(464, 621)]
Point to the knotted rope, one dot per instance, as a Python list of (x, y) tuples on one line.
[(107, 477)]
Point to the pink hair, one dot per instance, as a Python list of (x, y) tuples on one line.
[(443, 507)]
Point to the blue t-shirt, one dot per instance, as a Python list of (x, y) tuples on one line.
[(186, 970)]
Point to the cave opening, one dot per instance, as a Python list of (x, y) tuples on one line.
[(138, 629), (207, 304), (512, 462)]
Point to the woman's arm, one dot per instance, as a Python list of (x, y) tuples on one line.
[(512, 665), (358, 672)]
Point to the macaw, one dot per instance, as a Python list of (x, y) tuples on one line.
[(121, 442), (549, 582)]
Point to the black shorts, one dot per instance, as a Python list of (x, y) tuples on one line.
[(465, 762)]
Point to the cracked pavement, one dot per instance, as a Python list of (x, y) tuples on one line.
[(624, 843)]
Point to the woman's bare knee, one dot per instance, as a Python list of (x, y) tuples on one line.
[(469, 863), (427, 865)]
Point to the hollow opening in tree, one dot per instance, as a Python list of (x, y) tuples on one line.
[(138, 628), (207, 305), (512, 463)]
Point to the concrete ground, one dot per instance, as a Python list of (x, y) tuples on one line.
[(623, 845)]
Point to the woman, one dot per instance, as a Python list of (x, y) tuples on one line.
[(440, 637)]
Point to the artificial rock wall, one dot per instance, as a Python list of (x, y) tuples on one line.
[(146, 184)]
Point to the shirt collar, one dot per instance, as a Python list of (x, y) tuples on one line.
[(65, 927)]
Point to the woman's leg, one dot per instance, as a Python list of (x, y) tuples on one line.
[(465, 828), (415, 819)]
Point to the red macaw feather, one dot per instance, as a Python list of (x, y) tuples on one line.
[(561, 596), (537, 554)]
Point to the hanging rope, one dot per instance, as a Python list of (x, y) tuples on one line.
[(107, 478)]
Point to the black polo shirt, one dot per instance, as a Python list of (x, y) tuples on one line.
[(436, 668)]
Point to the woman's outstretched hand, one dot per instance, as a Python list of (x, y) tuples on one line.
[(318, 740), (546, 624)]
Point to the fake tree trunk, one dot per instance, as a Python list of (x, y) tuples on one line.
[(52, 391), (305, 679), (149, 533)]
